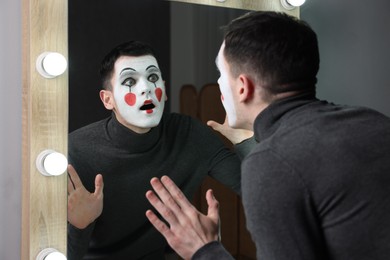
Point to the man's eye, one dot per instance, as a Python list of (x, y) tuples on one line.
[(153, 78), (129, 82)]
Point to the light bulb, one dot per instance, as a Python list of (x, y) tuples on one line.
[(296, 3), (51, 163), (50, 254), (291, 4), (51, 64)]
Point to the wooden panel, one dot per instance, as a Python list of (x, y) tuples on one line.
[(269, 5), (189, 100), (210, 107), (45, 126)]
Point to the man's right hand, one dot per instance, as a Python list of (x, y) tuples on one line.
[(234, 135), (83, 207)]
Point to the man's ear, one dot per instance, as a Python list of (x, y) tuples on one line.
[(107, 98), (246, 88)]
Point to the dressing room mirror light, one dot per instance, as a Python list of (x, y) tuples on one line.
[(51, 64), (292, 4), (51, 163), (50, 254)]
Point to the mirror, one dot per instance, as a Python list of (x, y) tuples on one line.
[(186, 39)]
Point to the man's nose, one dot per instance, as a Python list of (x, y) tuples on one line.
[(146, 87)]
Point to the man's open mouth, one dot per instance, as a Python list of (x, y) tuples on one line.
[(148, 105)]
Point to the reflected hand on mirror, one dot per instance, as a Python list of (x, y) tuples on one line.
[(188, 229), (234, 135), (83, 207)]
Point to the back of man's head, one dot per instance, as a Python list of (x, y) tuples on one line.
[(278, 50)]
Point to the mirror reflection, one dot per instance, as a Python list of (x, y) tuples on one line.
[(114, 157)]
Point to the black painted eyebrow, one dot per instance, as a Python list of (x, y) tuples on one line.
[(152, 66), (125, 69)]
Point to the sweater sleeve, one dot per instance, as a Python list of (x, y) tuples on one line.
[(78, 241), (221, 163), (226, 164), (211, 251), (243, 149)]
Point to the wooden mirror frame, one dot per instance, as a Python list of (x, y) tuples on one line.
[(45, 126), (274, 5)]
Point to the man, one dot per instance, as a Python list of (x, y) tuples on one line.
[(125, 150), (316, 186)]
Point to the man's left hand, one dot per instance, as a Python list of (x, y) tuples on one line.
[(188, 229)]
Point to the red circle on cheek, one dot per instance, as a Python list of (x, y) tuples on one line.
[(158, 93), (130, 99)]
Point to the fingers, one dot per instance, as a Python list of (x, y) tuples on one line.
[(161, 208), (70, 185), (213, 206), (178, 196), (214, 125), (165, 195), (99, 185), (73, 179), (171, 202), (158, 224)]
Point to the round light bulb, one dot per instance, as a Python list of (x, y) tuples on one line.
[(296, 3), (51, 163), (291, 4), (51, 64), (50, 254), (55, 256)]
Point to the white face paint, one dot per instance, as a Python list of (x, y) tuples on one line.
[(225, 88), (139, 91)]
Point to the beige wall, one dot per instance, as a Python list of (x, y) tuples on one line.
[(10, 128)]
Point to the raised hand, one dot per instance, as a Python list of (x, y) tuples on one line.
[(234, 135), (83, 207), (188, 229)]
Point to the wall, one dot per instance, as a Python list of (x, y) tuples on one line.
[(354, 44), (10, 129)]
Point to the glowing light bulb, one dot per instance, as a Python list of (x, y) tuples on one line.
[(51, 64), (51, 163), (291, 4), (296, 2), (50, 254)]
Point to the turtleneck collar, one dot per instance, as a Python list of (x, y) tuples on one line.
[(268, 121), (124, 138)]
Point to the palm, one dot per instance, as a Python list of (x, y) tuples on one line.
[(83, 207), (234, 135), (187, 229)]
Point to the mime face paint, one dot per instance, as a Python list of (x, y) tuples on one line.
[(225, 85), (139, 91)]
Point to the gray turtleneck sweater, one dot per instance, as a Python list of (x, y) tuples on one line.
[(180, 147), (317, 185)]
